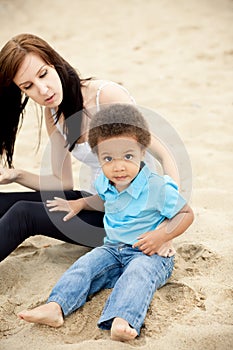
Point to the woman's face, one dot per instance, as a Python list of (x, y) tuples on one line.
[(39, 81)]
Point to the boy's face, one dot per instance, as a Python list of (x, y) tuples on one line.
[(120, 159)]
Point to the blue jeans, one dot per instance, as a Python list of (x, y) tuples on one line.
[(133, 276)]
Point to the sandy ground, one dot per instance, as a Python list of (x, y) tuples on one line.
[(176, 58)]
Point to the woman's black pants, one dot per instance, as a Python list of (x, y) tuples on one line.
[(24, 214)]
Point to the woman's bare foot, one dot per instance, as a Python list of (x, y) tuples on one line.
[(49, 314), (122, 331)]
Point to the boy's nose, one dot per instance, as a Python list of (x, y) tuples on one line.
[(119, 165)]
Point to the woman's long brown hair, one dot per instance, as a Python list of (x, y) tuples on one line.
[(13, 101)]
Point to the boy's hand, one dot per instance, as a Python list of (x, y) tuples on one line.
[(153, 242), (72, 207), (149, 242)]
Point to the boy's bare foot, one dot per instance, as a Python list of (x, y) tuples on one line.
[(121, 330), (49, 314)]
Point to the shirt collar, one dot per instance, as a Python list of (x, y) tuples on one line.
[(136, 186)]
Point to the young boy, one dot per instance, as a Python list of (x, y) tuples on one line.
[(143, 213)]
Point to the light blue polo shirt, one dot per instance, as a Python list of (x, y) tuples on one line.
[(148, 200)]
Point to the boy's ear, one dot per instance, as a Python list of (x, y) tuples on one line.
[(143, 151)]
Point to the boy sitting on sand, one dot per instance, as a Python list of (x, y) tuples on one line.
[(143, 213)]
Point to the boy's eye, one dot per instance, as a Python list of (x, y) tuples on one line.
[(108, 159), (128, 157)]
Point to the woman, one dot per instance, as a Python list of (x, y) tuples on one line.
[(31, 68)]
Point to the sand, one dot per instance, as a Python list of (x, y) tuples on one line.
[(176, 58)]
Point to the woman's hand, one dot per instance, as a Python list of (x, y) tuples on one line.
[(72, 207), (7, 175)]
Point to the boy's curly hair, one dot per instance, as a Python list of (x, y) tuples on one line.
[(118, 120)]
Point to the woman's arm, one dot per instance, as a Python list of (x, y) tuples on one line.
[(60, 158), (61, 176), (159, 150), (113, 93)]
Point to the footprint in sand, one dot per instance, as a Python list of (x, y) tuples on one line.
[(194, 259)]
